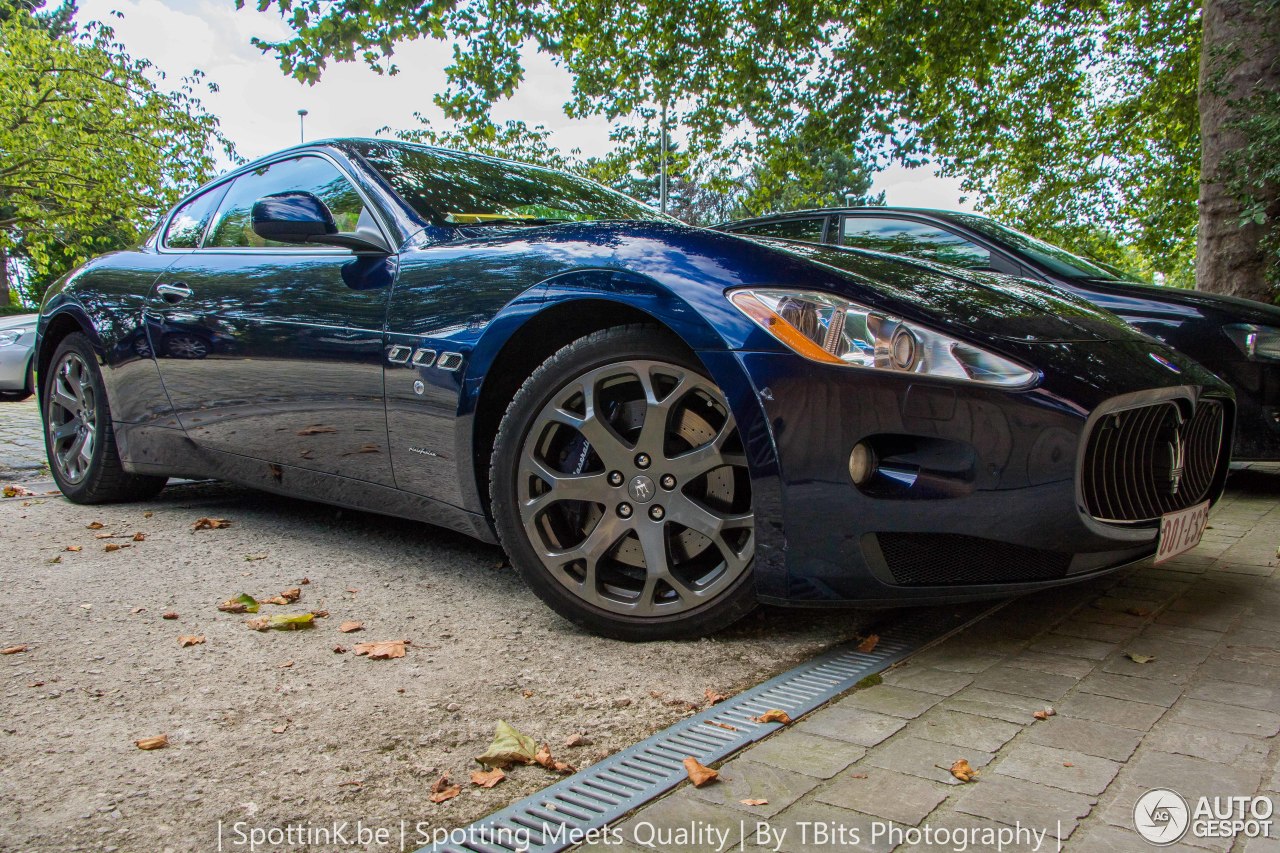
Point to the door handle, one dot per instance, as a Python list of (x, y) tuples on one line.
[(175, 292)]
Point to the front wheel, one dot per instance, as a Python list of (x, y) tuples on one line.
[(620, 489), (79, 439)]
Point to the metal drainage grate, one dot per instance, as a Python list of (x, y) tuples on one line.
[(556, 817)]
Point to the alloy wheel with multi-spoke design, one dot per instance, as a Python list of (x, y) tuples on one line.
[(633, 490), (71, 417)]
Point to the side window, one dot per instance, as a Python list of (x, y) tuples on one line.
[(914, 239), (809, 230), (188, 224), (233, 227)]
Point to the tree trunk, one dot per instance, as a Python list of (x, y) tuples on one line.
[(1240, 57), (6, 298)]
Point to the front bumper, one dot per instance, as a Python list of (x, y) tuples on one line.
[(985, 501), (13, 363)]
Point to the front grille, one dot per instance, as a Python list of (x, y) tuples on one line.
[(950, 559), (1142, 463)]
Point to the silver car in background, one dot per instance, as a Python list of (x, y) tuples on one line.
[(17, 351)]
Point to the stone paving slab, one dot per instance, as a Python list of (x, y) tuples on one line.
[(22, 456), (1201, 716)]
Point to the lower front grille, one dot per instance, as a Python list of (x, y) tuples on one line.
[(1144, 462), (950, 559)]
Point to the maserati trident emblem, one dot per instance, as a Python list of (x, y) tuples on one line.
[(1170, 455), (641, 489)]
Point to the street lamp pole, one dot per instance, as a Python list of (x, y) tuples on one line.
[(302, 126)]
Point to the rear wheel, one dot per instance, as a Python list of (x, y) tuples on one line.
[(620, 489), (79, 440)]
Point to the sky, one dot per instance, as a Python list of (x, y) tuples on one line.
[(257, 104)]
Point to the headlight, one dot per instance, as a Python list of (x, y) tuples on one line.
[(9, 337), (1258, 343), (833, 330)]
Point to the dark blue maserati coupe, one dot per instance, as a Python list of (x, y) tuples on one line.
[(662, 425), (1237, 339)]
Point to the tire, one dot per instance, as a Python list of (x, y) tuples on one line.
[(620, 489), (76, 412)]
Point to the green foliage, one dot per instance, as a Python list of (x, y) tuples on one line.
[(1067, 120), (92, 150)]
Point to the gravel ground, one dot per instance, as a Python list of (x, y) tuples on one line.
[(275, 728)]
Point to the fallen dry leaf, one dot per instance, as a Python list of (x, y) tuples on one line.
[(381, 650), (869, 643), (316, 430), (191, 640), (351, 626), (320, 614), (577, 740), (285, 665), (487, 778), (139, 610), (1136, 658), (1044, 713), (773, 715), (305, 581), (107, 535), (74, 548), (342, 650), (352, 590), (528, 694), (543, 756), (699, 774), (724, 726), (112, 546), (355, 783), (442, 790), (280, 729), (157, 742), (962, 771), (276, 599), (94, 525), (1067, 764), (1137, 611), (242, 603), (13, 650), (169, 615), (17, 492), (508, 747), (249, 558), (292, 594), (754, 802), (55, 560), (139, 537), (714, 698), (857, 775), (210, 524), (282, 622), (148, 514)]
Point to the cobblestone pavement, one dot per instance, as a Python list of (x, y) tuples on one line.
[(21, 446), (1200, 716)]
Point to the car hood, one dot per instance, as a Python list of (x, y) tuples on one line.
[(1227, 308), (985, 303), (16, 321)]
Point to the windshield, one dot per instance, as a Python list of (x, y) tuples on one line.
[(1057, 260), (453, 188)]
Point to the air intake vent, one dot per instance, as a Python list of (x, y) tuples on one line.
[(1142, 463), (949, 559)]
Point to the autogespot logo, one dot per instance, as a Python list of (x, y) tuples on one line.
[(1161, 816)]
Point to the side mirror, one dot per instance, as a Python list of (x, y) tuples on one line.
[(292, 217), (301, 217)]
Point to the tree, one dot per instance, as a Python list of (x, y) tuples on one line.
[(1068, 119), (1240, 107), (91, 149)]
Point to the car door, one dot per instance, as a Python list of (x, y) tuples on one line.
[(917, 239), (274, 351)]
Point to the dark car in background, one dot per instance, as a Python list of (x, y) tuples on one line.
[(661, 424), (1238, 339)]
